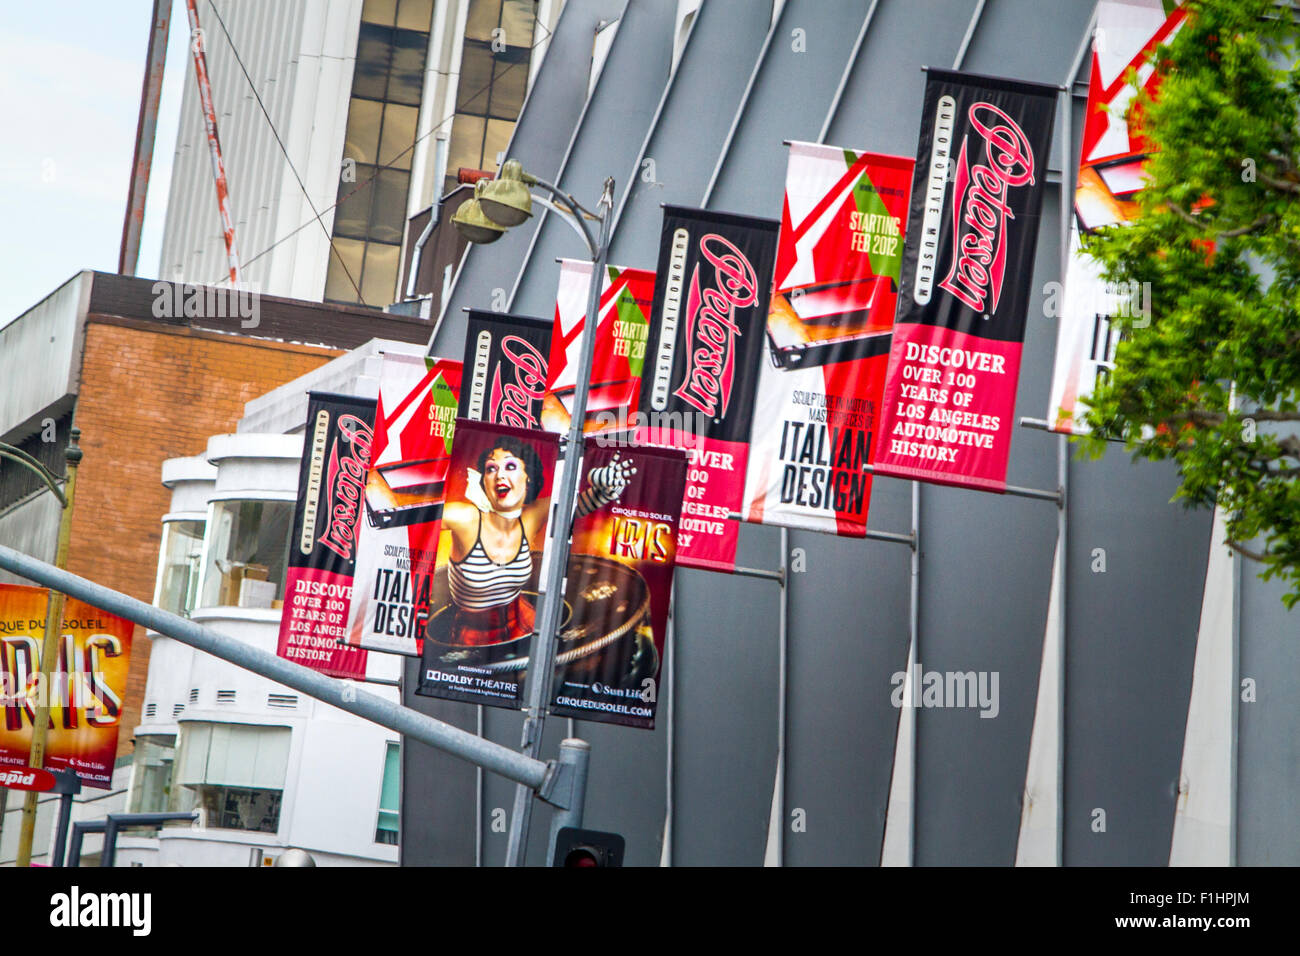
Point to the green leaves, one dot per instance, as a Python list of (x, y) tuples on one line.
[(1213, 380)]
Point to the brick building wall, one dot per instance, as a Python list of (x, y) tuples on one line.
[(150, 392)]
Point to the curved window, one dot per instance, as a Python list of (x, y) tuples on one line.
[(178, 568), (247, 550)]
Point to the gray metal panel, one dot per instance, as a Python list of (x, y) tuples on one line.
[(693, 121), (727, 676), (725, 716), (1131, 641), (540, 139), (438, 790), (987, 560), (797, 77), (880, 109), (849, 611), (1268, 750), (609, 137)]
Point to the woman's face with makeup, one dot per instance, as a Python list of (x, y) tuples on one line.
[(505, 482)]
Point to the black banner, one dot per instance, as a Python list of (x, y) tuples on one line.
[(620, 578), (967, 273), (327, 520), (504, 371), (709, 317)]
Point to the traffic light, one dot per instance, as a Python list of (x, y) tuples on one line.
[(579, 849)]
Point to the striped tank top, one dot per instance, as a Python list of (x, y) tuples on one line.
[(478, 582)]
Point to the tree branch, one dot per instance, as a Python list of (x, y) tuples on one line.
[(1282, 185), (1255, 226), (1246, 552)]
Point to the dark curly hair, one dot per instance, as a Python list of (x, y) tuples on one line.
[(525, 453)]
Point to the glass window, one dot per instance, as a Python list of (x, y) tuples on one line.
[(374, 53), (390, 795), (484, 16), (475, 78), (362, 144), (235, 772), (399, 133), (352, 214), (519, 19), (247, 548), (152, 779), (178, 571), (347, 253), (379, 11), (406, 76), (389, 212), (415, 15), (379, 281)]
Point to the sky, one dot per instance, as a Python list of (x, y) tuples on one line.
[(70, 78)]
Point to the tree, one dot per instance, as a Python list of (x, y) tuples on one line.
[(1212, 380)]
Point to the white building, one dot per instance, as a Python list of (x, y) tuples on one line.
[(377, 103), (268, 767)]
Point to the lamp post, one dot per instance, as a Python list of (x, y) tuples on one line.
[(53, 625), (497, 205)]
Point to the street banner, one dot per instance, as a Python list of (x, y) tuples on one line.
[(414, 424), (706, 342), (504, 369), (613, 400), (829, 329), (620, 578), (85, 692), (967, 275), (336, 451), (1105, 194), (483, 591)]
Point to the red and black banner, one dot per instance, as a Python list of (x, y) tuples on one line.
[(484, 593), (504, 369), (712, 288), (620, 578), (950, 392), (336, 453)]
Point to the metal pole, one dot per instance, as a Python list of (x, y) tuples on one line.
[(145, 128), (49, 654), (68, 785), (61, 829), (214, 144), (79, 830), (344, 695), (914, 664), (541, 664), (1062, 544), (782, 640), (575, 755), (114, 823)]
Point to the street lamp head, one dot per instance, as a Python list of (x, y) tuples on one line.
[(506, 200), (471, 223)]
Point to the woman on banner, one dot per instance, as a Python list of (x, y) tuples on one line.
[(491, 555)]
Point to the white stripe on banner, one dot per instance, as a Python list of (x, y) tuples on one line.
[(1203, 814)]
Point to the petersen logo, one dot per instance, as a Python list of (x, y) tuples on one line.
[(29, 778), (710, 326), (512, 403), (345, 483), (979, 207)]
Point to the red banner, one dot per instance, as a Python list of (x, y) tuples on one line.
[(613, 402), (415, 423), (828, 334), (85, 692)]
